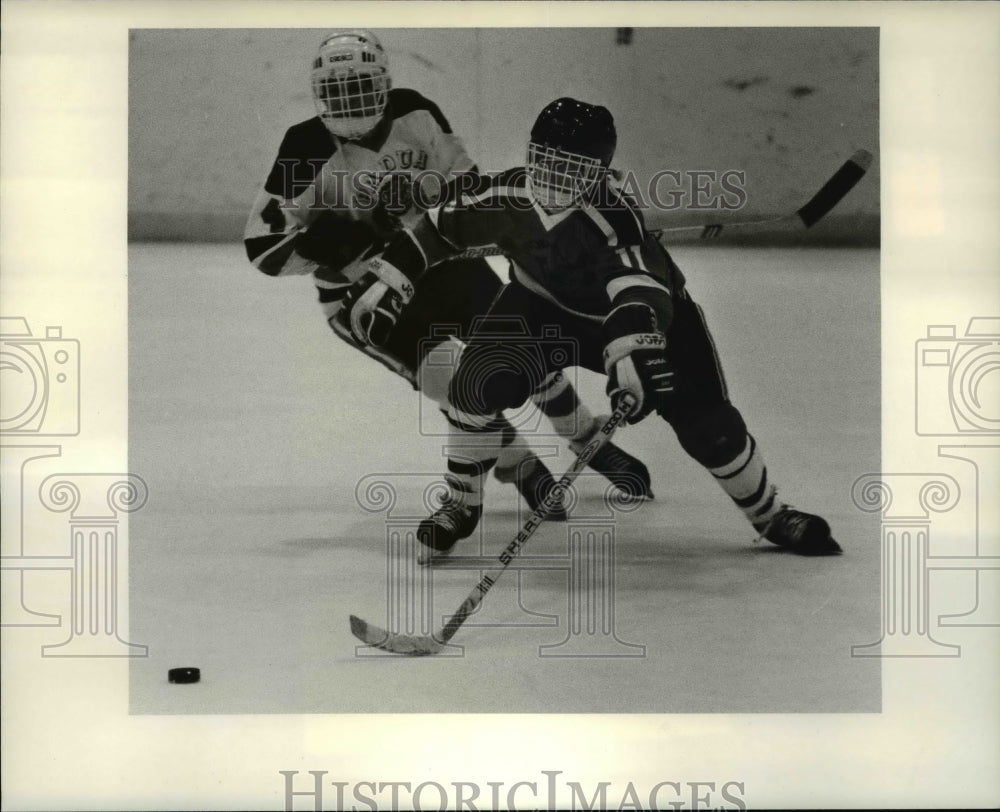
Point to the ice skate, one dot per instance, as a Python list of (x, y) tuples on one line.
[(534, 481), (624, 471), (799, 532), (444, 528)]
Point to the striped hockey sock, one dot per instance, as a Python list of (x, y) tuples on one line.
[(745, 480), (474, 444)]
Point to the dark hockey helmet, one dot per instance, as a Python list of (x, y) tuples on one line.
[(572, 144)]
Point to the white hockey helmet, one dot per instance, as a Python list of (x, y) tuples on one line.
[(350, 82)]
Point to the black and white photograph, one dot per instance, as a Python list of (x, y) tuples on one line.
[(500, 406), (349, 456)]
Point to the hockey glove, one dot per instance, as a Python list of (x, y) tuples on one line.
[(635, 359), (372, 304)]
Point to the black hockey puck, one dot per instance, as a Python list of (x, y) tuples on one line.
[(184, 675)]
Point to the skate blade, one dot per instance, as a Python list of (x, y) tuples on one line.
[(428, 558), (629, 498), (649, 496)]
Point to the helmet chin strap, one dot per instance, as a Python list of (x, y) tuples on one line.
[(371, 138), (353, 136)]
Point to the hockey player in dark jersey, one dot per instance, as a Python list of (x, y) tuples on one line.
[(583, 267), (339, 188)]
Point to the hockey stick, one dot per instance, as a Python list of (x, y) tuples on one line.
[(417, 645), (819, 205)]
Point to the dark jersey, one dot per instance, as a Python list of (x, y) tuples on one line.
[(586, 260)]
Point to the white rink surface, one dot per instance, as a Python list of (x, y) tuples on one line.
[(252, 426)]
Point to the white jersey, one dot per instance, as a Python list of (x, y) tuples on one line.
[(315, 213)]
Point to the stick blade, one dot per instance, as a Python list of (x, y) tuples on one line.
[(835, 189), (367, 633), (863, 158), (376, 637)]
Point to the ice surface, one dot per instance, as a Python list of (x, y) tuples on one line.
[(253, 425)]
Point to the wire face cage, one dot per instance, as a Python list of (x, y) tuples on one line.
[(558, 178)]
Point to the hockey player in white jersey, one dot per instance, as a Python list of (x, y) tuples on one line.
[(342, 184)]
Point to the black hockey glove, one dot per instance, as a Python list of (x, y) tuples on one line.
[(635, 359), (372, 305), (333, 240)]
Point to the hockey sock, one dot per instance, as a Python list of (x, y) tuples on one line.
[(558, 401), (513, 449), (745, 480), (474, 443)]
